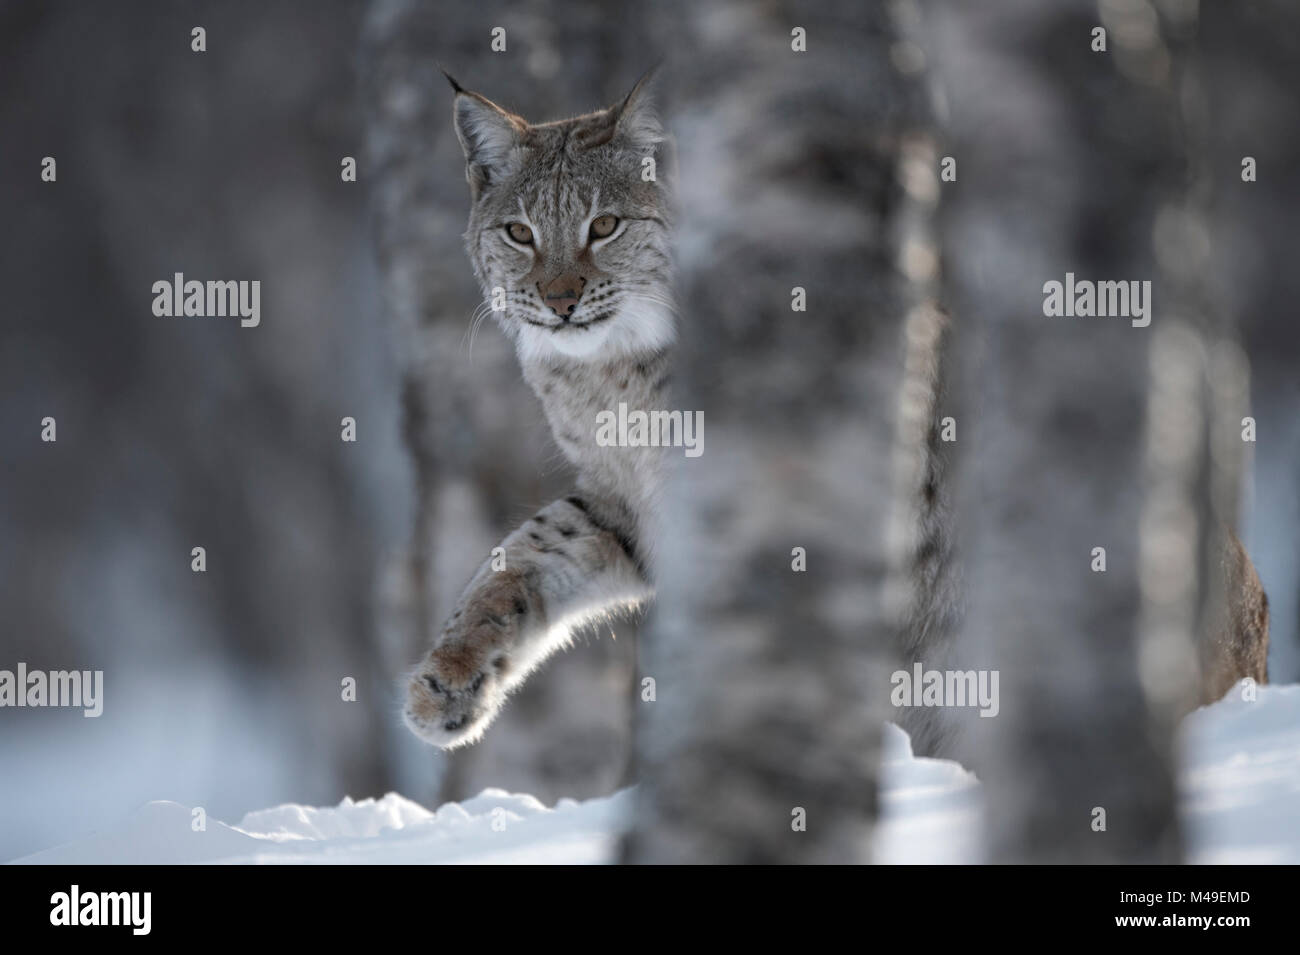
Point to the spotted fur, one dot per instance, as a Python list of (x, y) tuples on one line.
[(589, 554)]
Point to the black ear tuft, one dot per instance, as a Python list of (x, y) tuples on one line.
[(452, 80)]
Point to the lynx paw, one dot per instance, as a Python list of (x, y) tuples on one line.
[(456, 691)]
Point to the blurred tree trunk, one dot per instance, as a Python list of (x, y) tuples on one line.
[(1083, 433), (771, 681), (1249, 58), (175, 433)]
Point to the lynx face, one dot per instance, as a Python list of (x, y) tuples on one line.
[(565, 232)]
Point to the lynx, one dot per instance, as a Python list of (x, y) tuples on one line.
[(568, 234)]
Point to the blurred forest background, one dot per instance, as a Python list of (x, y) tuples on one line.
[(328, 560)]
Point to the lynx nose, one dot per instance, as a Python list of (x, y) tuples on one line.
[(561, 295)]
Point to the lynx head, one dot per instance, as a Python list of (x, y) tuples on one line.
[(565, 231)]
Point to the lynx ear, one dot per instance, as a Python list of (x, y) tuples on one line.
[(488, 135), (636, 119)]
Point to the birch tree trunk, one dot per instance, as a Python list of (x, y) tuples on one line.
[(1083, 434), (770, 679)]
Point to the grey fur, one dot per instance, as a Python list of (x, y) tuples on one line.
[(589, 554)]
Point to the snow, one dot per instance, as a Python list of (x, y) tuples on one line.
[(1241, 791), (1240, 799), (493, 827)]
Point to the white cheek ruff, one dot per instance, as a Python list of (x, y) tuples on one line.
[(641, 325), (582, 342), (647, 324), (535, 342)]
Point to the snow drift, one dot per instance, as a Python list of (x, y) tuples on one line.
[(1240, 791)]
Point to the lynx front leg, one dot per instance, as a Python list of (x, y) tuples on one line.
[(562, 568)]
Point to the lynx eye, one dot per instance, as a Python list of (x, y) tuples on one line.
[(604, 227), (520, 233)]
